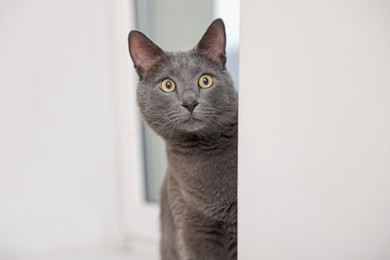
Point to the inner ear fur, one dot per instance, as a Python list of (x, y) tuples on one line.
[(213, 43), (144, 52)]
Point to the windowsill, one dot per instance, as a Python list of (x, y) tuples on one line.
[(84, 256)]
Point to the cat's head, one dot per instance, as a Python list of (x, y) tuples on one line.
[(181, 93)]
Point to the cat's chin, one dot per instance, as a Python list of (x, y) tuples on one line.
[(192, 125)]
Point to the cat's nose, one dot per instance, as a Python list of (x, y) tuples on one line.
[(190, 105)]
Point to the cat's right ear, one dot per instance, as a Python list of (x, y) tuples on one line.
[(213, 43), (144, 53)]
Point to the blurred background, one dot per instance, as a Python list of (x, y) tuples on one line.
[(79, 172)]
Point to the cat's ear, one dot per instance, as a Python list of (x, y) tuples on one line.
[(144, 53), (213, 43)]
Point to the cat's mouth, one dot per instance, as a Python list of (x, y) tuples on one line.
[(191, 120), (192, 123)]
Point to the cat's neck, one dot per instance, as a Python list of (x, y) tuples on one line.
[(205, 169), (190, 143)]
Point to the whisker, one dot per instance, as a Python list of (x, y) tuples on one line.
[(155, 132), (174, 126)]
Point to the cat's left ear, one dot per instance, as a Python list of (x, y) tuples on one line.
[(213, 43)]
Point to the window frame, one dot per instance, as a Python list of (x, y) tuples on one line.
[(139, 218)]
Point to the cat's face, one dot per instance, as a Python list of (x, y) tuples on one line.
[(185, 92)]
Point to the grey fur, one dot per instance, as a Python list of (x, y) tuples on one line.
[(199, 194)]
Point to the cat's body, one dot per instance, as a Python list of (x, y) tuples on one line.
[(188, 98)]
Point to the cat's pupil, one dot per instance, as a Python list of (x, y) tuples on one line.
[(168, 84), (205, 81)]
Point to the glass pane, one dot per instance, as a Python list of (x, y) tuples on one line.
[(179, 25), (229, 11)]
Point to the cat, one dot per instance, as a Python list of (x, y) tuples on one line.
[(188, 98)]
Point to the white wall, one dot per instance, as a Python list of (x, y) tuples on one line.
[(59, 124), (314, 163)]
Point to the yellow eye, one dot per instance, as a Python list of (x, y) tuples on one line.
[(168, 85), (205, 81)]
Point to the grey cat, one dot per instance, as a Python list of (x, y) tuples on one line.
[(188, 98)]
